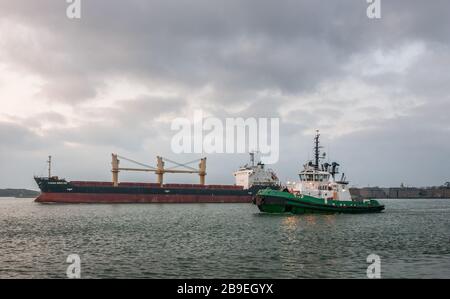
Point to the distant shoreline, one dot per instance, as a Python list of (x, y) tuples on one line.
[(19, 193)]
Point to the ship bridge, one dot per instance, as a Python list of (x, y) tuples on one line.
[(314, 176)]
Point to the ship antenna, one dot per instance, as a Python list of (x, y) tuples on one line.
[(252, 158), (49, 166), (316, 151)]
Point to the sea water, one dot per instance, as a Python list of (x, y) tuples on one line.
[(411, 237)]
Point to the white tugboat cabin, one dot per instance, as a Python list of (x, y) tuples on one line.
[(319, 180)]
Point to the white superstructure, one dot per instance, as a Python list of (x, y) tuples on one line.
[(251, 175), (319, 180)]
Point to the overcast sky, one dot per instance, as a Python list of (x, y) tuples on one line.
[(112, 81)]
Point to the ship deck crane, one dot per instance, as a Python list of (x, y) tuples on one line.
[(160, 170)]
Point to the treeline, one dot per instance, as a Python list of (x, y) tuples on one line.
[(19, 193)]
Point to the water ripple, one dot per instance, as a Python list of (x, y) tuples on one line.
[(221, 241)]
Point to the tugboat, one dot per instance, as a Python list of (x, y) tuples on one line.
[(318, 191)]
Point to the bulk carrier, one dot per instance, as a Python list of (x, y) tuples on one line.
[(250, 178)]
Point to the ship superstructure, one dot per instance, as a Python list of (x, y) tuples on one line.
[(253, 175), (320, 179)]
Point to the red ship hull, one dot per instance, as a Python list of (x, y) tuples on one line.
[(139, 198), (54, 190)]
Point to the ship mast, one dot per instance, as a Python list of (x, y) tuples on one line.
[(49, 162), (252, 158), (316, 151)]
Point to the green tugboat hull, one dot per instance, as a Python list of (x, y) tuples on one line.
[(274, 201)]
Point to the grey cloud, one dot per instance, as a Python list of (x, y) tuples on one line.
[(126, 126), (291, 45), (17, 137)]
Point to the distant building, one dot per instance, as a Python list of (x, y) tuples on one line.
[(406, 192), (368, 192), (400, 192)]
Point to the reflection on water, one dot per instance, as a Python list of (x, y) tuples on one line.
[(330, 219), (290, 222), (221, 241), (311, 219)]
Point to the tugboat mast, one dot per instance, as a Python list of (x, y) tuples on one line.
[(316, 151)]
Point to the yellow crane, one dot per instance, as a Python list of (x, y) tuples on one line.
[(160, 170)]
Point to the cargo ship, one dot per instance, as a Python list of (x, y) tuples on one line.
[(318, 191), (250, 178)]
